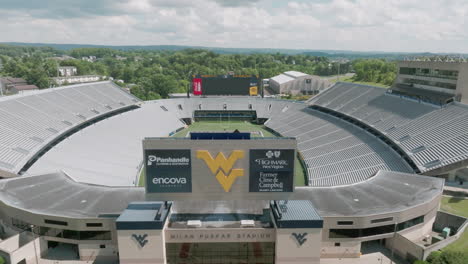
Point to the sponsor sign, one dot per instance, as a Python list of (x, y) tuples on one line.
[(197, 86), (219, 169), (271, 170), (253, 91), (168, 170)]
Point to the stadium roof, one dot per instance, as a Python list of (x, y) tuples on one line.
[(386, 192), (295, 74), (281, 78), (59, 195)]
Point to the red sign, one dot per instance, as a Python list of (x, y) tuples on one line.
[(197, 86)]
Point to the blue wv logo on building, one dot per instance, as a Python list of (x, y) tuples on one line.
[(141, 239), (300, 238)]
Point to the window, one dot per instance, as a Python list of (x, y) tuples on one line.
[(337, 244), (344, 233), (71, 234), (102, 246), (431, 83), (94, 224), (373, 231), (20, 224), (95, 235), (381, 220), (408, 71), (55, 222), (410, 223), (344, 222), (355, 233)]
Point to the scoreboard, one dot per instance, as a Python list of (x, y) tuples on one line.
[(225, 85), (219, 166)]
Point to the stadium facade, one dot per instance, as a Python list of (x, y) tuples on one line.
[(434, 79), (71, 158)]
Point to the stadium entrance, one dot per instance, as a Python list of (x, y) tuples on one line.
[(232, 253), (230, 203)]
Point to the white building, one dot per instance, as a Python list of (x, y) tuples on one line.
[(293, 82), (66, 71), (77, 79)]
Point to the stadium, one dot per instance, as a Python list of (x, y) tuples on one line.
[(365, 166)]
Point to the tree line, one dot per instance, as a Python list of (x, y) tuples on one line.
[(155, 74)]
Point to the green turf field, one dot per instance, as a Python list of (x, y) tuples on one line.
[(229, 126), (457, 206)]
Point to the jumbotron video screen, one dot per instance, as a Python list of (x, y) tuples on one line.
[(225, 85)]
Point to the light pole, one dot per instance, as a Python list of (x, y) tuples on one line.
[(34, 243), (338, 76), (393, 242)]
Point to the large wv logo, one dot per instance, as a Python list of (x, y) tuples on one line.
[(300, 238), (222, 165), (140, 239)]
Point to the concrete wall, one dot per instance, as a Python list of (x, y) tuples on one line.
[(289, 250), (448, 220), (403, 243), (131, 252), (351, 249), (407, 243), (462, 84), (14, 251), (91, 252)]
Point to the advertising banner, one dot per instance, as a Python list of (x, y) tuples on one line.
[(219, 169), (271, 170), (197, 86), (168, 171)]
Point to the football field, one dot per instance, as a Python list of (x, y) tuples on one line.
[(230, 126)]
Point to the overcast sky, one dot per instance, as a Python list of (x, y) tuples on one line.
[(362, 25)]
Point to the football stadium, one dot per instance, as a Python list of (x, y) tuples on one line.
[(92, 173)]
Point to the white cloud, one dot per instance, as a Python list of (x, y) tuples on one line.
[(390, 25)]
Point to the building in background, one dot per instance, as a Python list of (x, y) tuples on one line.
[(62, 58), (89, 58), (67, 71), (9, 85), (293, 82), (433, 80), (78, 79)]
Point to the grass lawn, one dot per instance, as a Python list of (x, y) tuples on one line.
[(242, 126), (456, 206), (141, 178), (460, 245)]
